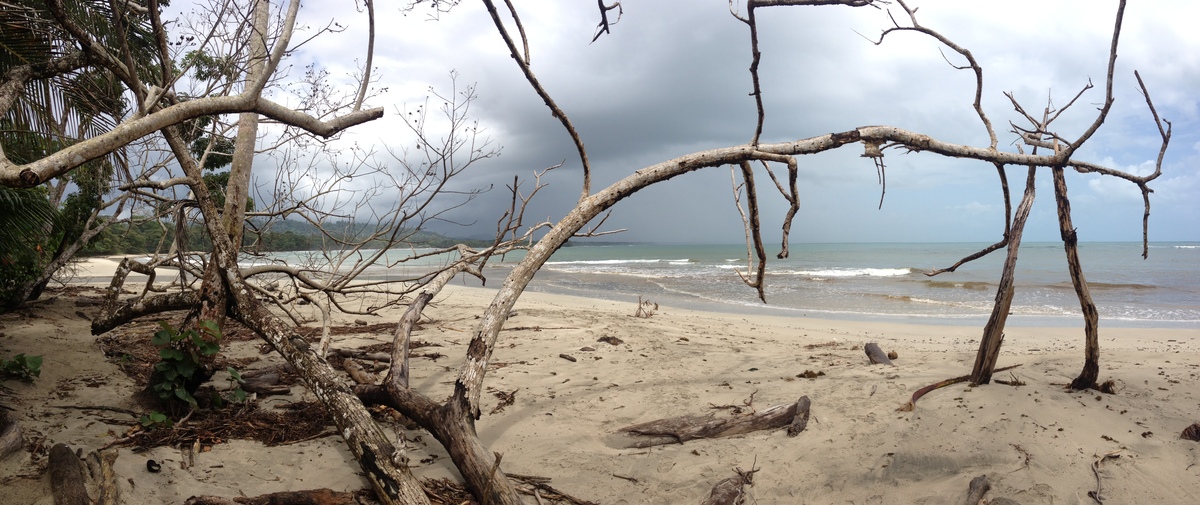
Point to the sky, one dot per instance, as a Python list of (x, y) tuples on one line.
[(672, 79)]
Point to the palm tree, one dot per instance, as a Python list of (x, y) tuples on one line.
[(55, 111)]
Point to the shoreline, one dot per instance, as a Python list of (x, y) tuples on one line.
[(98, 271), (1037, 443)]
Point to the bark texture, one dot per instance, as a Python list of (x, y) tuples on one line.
[(68, 483), (1091, 319), (993, 331), (677, 430)]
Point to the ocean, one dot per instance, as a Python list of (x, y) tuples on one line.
[(873, 281), (888, 281)]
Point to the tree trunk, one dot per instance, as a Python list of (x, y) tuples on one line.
[(993, 331), (214, 297), (1091, 319), (382, 462)]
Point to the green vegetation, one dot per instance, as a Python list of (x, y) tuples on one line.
[(155, 420), (147, 235), (181, 370), (25, 218), (21, 367)]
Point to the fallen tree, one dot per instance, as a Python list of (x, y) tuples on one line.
[(228, 290)]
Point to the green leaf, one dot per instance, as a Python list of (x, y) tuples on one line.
[(186, 368), (34, 364), (170, 374), (233, 373), (162, 337), (171, 353), (182, 394), (210, 327)]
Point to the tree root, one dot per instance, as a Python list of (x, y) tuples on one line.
[(912, 404)]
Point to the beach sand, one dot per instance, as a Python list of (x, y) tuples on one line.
[(1036, 443)]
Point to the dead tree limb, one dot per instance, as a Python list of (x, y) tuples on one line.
[(523, 63), (912, 403), (677, 430), (1091, 318), (1003, 240), (993, 331), (309, 497)]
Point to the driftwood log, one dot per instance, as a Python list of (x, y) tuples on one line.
[(75, 481), (677, 430), (876, 355), (264, 383), (309, 497), (11, 440), (67, 482)]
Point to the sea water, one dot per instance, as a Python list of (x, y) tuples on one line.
[(889, 281), (859, 281)]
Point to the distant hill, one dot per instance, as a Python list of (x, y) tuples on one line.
[(274, 236)]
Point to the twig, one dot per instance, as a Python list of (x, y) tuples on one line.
[(1096, 471), (98, 407)]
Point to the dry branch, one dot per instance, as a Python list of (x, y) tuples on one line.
[(912, 403), (309, 497), (677, 430)]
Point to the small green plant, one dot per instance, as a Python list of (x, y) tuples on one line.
[(155, 420), (181, 369), (21, 367), (235, 394)]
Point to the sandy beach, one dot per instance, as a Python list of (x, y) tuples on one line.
[(1037, 443)]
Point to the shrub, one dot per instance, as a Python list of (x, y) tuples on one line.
[(181, 370), (21, 367)]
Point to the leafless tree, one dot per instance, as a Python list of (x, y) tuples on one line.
[(452, 422)]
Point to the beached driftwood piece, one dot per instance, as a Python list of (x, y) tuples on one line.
[(979, 486), (310, 497), (74, 481), (67, 482), (731, 491), (264, 383), (876, 355), (912, 404), (677, 430), (11, 440)]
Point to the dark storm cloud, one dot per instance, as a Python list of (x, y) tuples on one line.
[(672, 79)]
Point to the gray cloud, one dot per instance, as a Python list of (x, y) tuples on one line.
[(672, 79)]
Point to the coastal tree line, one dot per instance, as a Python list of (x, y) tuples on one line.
[(189, 113)]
